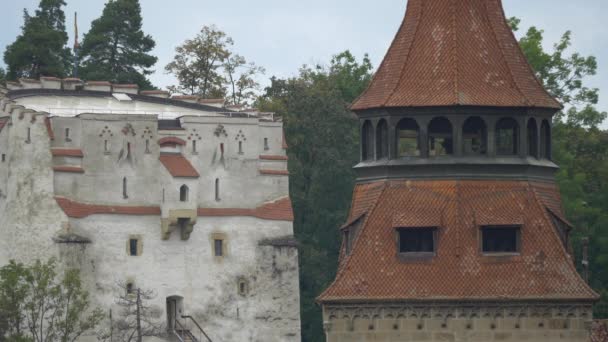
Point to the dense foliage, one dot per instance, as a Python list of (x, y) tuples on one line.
[(37, 304), (323, 136), (116, 49), (208, 67), (40, 49)]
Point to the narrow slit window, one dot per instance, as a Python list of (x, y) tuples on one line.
[(240, 147), (500, 239), (106, 146), (382, 140), (193, 146), (3, 158), (183, 193), (266, 147), (218, 247), (130, 288), (29, 135), (222, 150), (147, 146), (367, 143), (124, 188), (217, 189), (67, 135), (133, 247), (417, 240)]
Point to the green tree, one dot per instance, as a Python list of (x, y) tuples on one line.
[(116, 49), (2, 77), (40, 49), (241, 79), (579, 145), (39, 305), (198, 63), (323, 136)]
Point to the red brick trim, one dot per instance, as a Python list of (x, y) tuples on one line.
[(279, 210), (274, 172), (68, 168), (49, 128), (268, 157), (171, 141), (81, 210), (153, 92), (128, 86), (67, 152)]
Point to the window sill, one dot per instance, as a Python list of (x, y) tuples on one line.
[(500, 254), (416, 256)]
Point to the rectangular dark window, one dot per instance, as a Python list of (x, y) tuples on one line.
[(218, 247), (3, 158), (500, 239), (133, 247), (417, 240)]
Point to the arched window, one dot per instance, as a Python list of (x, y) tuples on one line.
[(475, 136), (441, 140), (183, 193), (367, 141), (408, 142), (217, 189), (545, 140), (124, 188), (382, 140), (532, 138), (507, 137)]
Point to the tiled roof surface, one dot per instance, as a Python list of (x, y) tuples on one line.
[(66, 152), (171, 141), (178, 165), (450, 53), (274, 172), (599, 331), (68, 168), (80, 210), (269, 157), (279, 210), (372, 271)]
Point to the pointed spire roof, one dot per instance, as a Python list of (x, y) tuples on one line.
[(455, 53)]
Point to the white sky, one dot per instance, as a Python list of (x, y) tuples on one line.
[(281, 35)]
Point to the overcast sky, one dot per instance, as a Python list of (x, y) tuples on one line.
[(281, 35)]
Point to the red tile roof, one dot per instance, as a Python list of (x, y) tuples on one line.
[(153, 92), (446, 55), (178, 165), (80, 210), (274, 172), (171, 141), (68, 168), (269, 157), (599, 331), (279, 210), (372, 270), (129, 86), (66, 152)]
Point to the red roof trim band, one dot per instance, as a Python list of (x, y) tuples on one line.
[(274, 172), (67, 152), (68, 168), (171, 141), (279, 210)]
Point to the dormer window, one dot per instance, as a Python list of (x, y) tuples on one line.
[(500, 239), (417, 241)]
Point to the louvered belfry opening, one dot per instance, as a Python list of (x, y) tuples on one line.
[(459, 211)]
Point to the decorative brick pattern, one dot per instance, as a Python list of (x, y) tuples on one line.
[(448, 54), (599, 331)]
